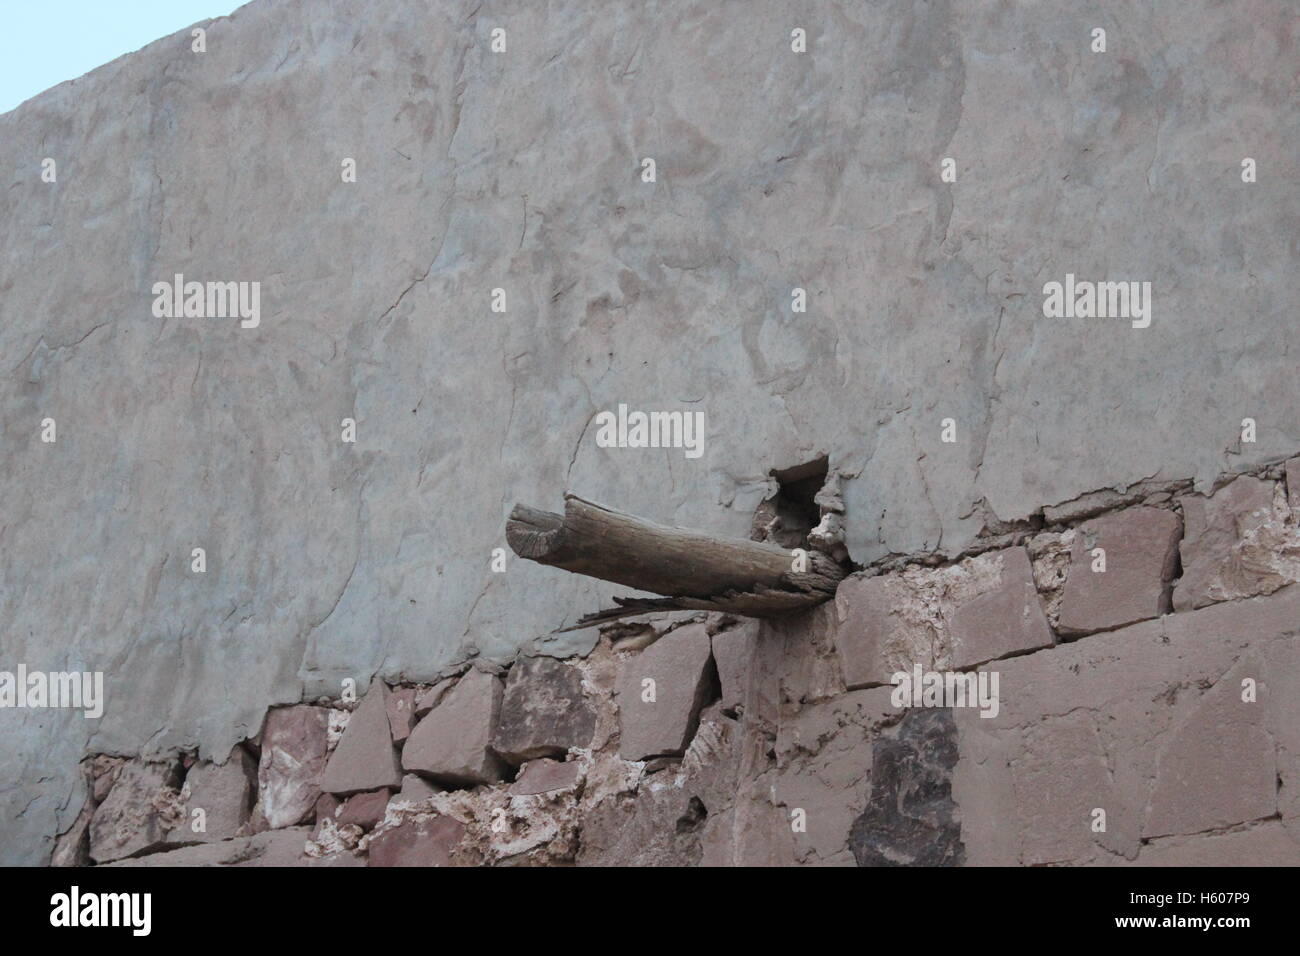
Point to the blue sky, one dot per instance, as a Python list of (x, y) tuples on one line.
[(44, 42)]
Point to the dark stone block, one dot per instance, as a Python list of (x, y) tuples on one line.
[(909, 819)]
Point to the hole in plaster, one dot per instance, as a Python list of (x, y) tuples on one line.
[(787, 517)]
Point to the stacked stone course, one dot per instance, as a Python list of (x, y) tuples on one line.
[(1163, 691)]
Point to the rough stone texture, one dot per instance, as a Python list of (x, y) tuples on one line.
[(294, 750), (824, 756), (1293, 483), (364, 809), (733, 654), (1141, 546), (73, 846), (330, 560), (1239, 542), (327, 806), (1147, 723), (543, 776), (666, 817), (1185, 730), (1218, 769), (1050, 555), (544, 711), (865, 636), (365, 759), (431, 697), (680, 666), (976, 610), (453, 743), (275, 848), (657, 828), (1006, 620), (131, 819), (421, 842), (416, 788), (224, 792), (1267, 844), (401, 713), (910, 817), (104, 770)]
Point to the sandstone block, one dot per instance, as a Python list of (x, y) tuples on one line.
[(544, 711), (1216, 565), (365, 758), (1218, 768), (823, 753), (366, 810), (274, 848), (427, 841), (295, 745), (1146, 723), (977, 610), (431, 697), (544, 776), (415, 788), (1006, 620), (1141, 549), (130, 819), (401, 713), (224, 792), (104, 769), (733, 653), (866, 634), (1265, 844), (453, 744), (678, 669)]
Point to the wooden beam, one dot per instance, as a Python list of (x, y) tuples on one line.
[(694, 570)]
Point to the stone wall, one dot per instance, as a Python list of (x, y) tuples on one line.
[(1146, 711), (521, 170)]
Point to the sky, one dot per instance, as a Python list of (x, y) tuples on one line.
[(44, 42)]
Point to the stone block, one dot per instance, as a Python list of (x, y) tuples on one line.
[(224, 792), (425, 841), (131, 820), (295, 746), (453, 744), (1141, 552), (365, 758), (1171, 727), (1221, 560), (366, 810), (979, 609), (676, 672), (910, 818), (545, 776), (544, 711), (1008, 619), (401, 713), (733, 653)]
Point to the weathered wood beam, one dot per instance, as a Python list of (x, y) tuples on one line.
[(695, 570)]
